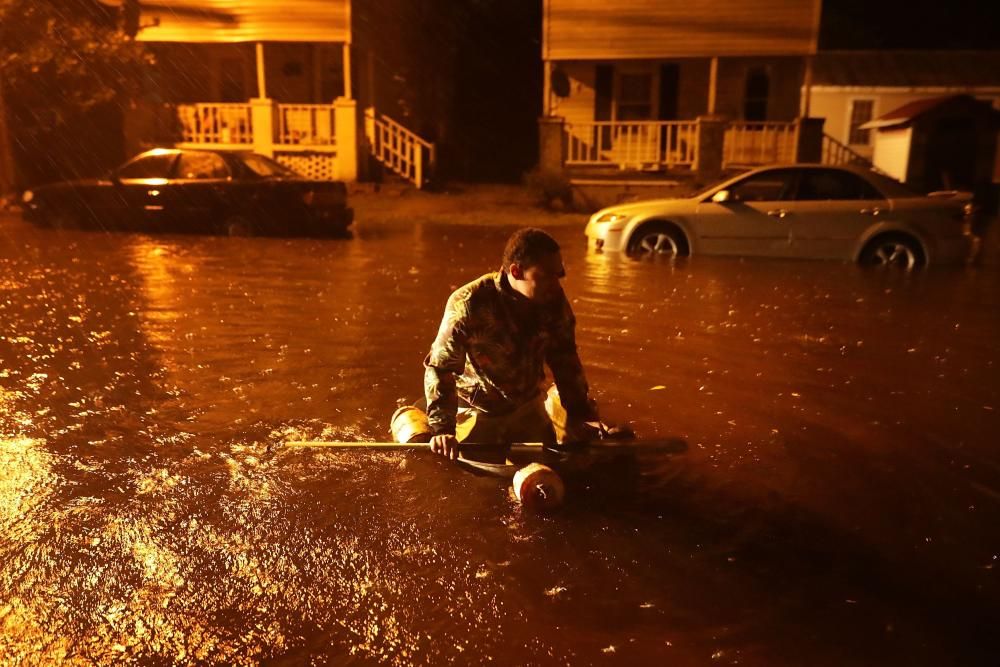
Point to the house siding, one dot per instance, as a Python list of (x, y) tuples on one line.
[(835, 106), (783, 102), (645, 29)]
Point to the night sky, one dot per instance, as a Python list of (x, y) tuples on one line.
[(910, 24)]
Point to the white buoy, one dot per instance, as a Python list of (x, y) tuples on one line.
[(538, 487)]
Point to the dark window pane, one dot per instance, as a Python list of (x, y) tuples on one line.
[(861, 113), (201, 165), (756, 93), (827, 184), (150, 166), (766, 186)]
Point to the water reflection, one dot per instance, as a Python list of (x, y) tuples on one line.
[(832, 500)]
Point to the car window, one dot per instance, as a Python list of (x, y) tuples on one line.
[(201, 165), (765, 186), (832, 184), (263, 166), (149, 166)]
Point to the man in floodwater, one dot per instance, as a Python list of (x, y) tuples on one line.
[(484, 375)]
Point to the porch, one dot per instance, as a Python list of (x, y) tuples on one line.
[(317, 140)]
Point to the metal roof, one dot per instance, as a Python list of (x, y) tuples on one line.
[(230, 21), (907, 69)]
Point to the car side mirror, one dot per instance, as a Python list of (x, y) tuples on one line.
[(723, 196)]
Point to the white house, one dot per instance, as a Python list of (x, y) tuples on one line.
[(629, 79), (295, 80), (851, 88)]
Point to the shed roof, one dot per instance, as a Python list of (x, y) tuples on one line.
[(907, 69), (909, 112), (215, 21)]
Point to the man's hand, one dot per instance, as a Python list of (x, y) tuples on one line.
[(445, 445)]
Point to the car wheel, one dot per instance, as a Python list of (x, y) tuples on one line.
[(237, 225), (658, 241), (896, 251)]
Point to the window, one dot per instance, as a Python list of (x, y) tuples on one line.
[(832, 184), (758, 88), (773, 185), (861, 113), (201, 165), (156, 165), (635, 95)]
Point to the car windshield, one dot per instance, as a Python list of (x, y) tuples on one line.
[(265, 166)]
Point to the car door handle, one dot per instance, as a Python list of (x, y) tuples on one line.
[(874, 210), (778, 213)]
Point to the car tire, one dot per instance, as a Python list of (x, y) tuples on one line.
[(238, 225), (658, 240), (894, 251)]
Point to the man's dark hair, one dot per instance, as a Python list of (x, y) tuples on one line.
[(527, 247)]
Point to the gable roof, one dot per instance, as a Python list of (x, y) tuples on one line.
[(907, 69)]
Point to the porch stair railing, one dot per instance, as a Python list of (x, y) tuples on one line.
[(837, 153), (398, 148)]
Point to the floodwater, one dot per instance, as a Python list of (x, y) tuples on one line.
[(829, 493)]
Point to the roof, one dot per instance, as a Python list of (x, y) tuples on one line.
[(229, 21), (907, 69), (909, 112)]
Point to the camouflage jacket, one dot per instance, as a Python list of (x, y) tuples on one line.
[(490, 350)]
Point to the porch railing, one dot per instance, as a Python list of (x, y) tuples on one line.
[(748, 144), (398, 148), (306, 124), (211, 123), (635, 144), (838, 153)]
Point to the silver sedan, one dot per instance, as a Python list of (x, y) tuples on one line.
[(808, 211)]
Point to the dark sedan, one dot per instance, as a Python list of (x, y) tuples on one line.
[(195, 191)]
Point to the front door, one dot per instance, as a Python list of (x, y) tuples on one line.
[(755, 221)]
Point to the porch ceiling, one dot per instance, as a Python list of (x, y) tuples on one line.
[(229, 21)]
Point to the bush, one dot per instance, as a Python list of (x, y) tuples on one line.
[(550, 187)]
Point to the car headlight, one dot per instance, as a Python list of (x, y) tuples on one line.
[(611, 216), (27, 196)]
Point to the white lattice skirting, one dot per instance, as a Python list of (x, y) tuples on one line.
[(319, 166)]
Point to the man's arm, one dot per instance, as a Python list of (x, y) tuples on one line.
[(567, 370), (445, 360)]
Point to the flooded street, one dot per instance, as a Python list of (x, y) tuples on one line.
[(830, 494)]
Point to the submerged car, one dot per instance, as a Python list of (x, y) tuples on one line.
[(195, 191), (807, 211)]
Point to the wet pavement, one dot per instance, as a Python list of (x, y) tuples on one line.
[(822, 483)]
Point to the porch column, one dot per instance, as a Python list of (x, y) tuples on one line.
[(711, 139), (713, 84), (547, 89), (261, 82), (809, 139), (345, 119), (807, 84), (263, 113), (348, 92), (551, 143)]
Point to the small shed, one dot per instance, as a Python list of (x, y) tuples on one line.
[(941, 143)]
